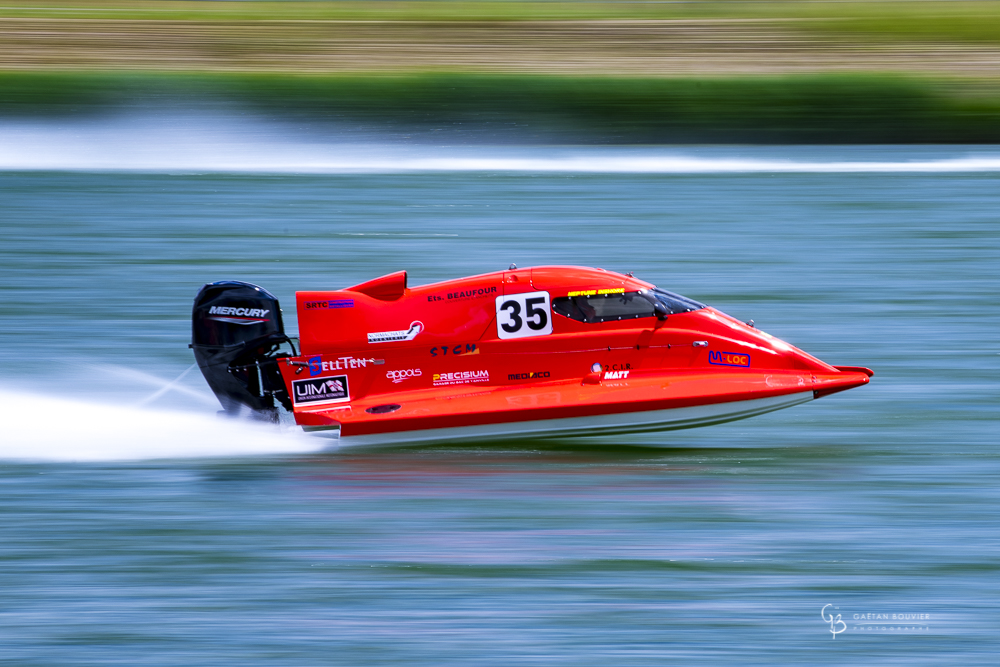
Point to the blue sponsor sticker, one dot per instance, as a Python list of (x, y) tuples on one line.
[(315, 365), (333, 303), (729, 359)]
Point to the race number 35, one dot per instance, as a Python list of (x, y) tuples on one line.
[(523, 315)]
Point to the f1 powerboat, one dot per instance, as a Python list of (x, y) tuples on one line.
[(543, 352)]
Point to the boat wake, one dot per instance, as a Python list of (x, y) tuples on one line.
[(242, 144), (42, 428)]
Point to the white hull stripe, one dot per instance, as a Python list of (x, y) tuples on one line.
[(595, 425), (238, 320)]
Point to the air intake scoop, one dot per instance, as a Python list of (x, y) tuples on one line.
[(386, 288)]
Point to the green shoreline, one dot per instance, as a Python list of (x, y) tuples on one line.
[(814, 108), (957, 21)]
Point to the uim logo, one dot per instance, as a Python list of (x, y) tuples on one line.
[(320, 390)]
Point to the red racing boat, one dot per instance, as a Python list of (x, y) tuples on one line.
[(549, 351)]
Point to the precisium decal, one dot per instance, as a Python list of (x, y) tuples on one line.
[(395, 336), (460, 377)]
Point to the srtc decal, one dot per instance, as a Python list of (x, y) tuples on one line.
[(537, 375), (333, 303), (462, 295), (395, 336), (460, 377), (317, 365), (320, 390), (729, 359), (523, 315), (406, 374), (454, 350)]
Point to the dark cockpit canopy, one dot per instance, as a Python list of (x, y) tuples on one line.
[(612, 305)]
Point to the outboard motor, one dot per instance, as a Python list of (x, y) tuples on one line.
[(236, 332)]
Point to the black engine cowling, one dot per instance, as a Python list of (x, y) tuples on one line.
[(236, 333)]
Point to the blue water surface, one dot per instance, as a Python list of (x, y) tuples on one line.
[(720, 546)]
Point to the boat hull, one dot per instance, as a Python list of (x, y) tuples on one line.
[(670, 419), (542, 352)]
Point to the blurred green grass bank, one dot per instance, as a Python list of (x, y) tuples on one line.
[(807, 108), (844, 72)]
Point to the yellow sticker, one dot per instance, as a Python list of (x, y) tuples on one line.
[(594, 292)]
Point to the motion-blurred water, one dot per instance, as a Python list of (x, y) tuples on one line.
[(136, 527)]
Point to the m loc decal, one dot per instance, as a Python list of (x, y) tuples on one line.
[(729, 359)]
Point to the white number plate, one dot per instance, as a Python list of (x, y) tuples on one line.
[(523, 315)]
